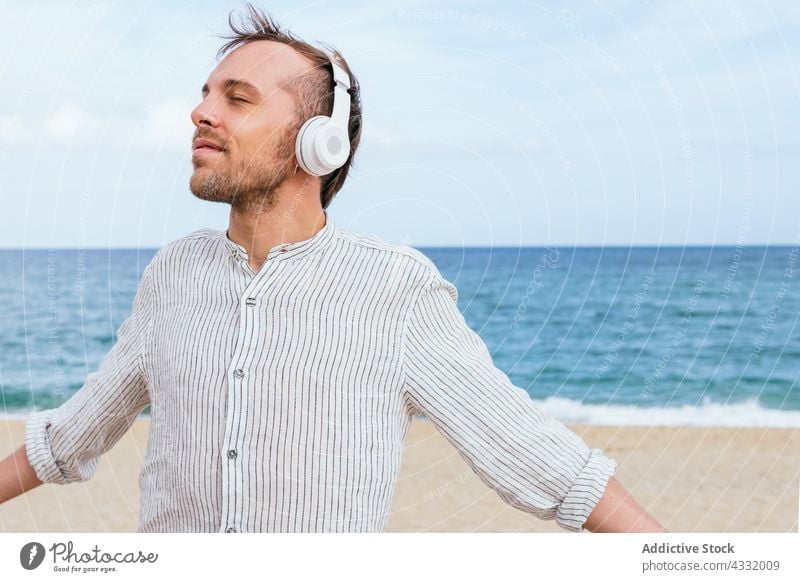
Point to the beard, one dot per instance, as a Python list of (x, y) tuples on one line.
[(249, 186)]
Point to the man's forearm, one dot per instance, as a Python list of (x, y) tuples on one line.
[(16, 475), (618, 512)]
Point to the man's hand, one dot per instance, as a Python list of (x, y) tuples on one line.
[(618, 512), (16, 475)]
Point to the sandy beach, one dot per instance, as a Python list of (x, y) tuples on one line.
[(690, 479)]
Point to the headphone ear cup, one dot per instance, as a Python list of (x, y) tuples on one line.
[(305, 148), (322, 146)]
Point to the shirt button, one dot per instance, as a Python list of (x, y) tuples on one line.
[(251, 301), (232, 454), (230, 530), (283, 250), (239, 373)]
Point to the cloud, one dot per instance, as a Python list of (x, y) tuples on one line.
[(167, 125), (162, 125), (11, 129), (69, 123)]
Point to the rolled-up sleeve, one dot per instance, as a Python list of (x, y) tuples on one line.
[(64, 444), (531, 460)]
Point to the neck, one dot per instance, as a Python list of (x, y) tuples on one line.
[(294, 214)]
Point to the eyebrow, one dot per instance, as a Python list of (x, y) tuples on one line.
[(229, 84)]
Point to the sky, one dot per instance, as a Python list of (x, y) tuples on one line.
[(485, 124)]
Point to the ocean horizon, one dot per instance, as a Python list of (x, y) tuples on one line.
[(666, 335)]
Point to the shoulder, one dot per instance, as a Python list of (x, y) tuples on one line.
[(399, 258), (189, 245), (400, 261)]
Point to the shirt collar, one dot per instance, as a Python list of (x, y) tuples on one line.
[(291, 250)]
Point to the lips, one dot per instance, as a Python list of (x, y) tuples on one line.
[(205, 146)]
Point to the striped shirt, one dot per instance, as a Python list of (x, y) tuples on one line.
[(280, 399)]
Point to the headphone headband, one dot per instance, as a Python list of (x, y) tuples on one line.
[(339, 74)]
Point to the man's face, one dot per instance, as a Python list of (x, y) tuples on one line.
[(252, 120)]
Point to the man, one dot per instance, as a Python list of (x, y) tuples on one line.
[(284, 359)]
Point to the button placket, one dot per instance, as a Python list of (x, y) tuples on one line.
[(242, 370), (234, 476), (241, 259)]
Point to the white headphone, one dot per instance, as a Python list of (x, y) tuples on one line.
[(323, 143)]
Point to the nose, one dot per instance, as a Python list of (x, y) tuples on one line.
[(205, 114)]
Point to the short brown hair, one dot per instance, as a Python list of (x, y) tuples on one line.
[(314, 90)]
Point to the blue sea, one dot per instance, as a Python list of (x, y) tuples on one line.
[(704, 336)]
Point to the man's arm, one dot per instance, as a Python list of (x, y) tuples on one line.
[(63, 445), (531, 460), (16, 475), (618, 512)]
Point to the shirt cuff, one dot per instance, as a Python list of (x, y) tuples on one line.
[(38, 450), (586, 491)]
